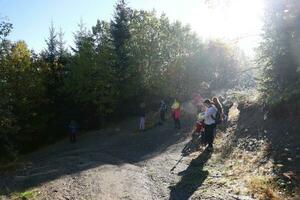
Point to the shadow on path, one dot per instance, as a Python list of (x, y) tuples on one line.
[(193, 145), (192, 178), (92, 150)]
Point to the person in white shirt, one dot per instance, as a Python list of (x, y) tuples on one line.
[(209, 122)]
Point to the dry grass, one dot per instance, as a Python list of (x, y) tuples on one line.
[(264, 188), (243, 167)]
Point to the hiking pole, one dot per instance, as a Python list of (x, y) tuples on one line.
[(176, 164), (184, 153)]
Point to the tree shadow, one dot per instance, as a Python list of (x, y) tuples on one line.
[(192, 177), (90, 151)]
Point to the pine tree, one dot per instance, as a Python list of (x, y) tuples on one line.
[(121, 35), (82, 37), (50, 54), (62, 51)]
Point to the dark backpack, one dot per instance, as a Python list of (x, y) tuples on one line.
[(217, 118)]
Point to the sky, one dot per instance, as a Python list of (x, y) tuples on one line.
[(222, 19)]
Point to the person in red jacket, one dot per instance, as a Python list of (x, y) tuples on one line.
[(176, 114)]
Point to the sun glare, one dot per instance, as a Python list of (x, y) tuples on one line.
[(237, 21)]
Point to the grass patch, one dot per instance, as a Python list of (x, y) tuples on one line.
[(27, 195), (264, 188)]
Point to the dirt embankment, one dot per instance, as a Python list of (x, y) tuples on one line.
[(281, 134)]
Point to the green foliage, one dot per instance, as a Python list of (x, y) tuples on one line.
[(279, 51), (63, 54), (125, 72), (50, 54), (5, 28), (90, 82), (26, 195), (172, 60), (22, 84)]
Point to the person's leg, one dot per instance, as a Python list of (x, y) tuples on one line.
[(141, 123), (210, 135), (205, 135), (71, 137), (179, 125), (214, 130), (163, 116), (144, 123), (160, 118)]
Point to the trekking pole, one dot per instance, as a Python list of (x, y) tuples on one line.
[(176, 164), (184, 153)]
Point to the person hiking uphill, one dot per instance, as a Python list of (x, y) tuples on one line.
[(226, 105), (142, 113), (162, 111), (176, 114), (72, 127), (220, 113), (209, 122)]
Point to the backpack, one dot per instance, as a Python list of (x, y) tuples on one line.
[(217, 117)]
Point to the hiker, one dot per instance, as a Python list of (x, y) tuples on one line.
[(142, 113), (220, 114), (176, 114), (226, 104), (73, 126), (209, 122), (162, 111), (199, 124), (198, 132)]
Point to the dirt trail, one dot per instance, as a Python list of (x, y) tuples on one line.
[(111, 164)]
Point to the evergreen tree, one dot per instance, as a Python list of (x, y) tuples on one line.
[(90, 83), (126, 73), (82, 37), (102, 37), (55, 58), (121, 35), (63, 54), (50, 54)]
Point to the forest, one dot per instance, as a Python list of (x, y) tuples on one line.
[(137, 56)]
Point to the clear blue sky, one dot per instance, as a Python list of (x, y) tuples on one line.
[(31, 18)]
